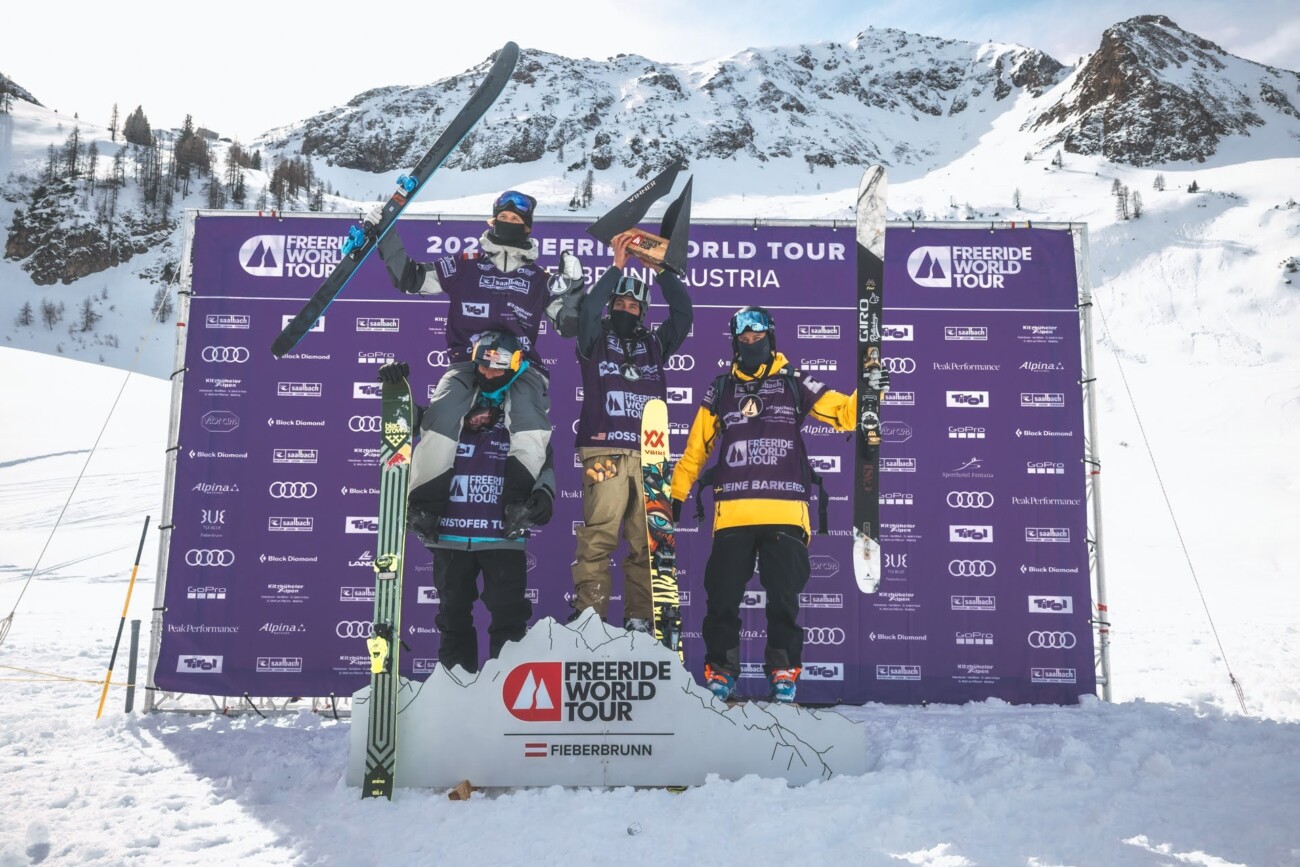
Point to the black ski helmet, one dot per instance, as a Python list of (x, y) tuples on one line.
[(752, 318), (631, 287), (498, 350)]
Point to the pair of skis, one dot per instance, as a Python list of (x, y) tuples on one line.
[(397, 414)]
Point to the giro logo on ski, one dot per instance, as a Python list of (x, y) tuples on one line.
[(966, 267), (581, 691), (290, 255)]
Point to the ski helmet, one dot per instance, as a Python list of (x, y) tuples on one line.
[(498, 350), (752, 319), (631, 287)]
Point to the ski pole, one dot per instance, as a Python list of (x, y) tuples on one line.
[(117, 641)]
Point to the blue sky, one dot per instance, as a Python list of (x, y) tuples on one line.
[(241, 67)]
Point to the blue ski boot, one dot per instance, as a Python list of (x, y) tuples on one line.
[(720, 682), (784, 683)]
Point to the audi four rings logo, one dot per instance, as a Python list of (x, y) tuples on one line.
[(209, 557), (899, 365), (440, 358), (1052, 640), (679, 362), (364, 424), (292, 490), (225, 354), (972, 568), (353, 629), (823, 635), (970, 499)]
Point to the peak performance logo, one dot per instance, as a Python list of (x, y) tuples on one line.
[(290, 255), (966, 267)]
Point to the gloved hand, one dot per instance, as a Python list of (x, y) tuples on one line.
[(394, 373), (371, 218), (533, 512), (569, 277), (677, 512), (878, 379)]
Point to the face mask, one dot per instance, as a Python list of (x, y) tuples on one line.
[(488, 385), (509, 234), (623, 323), (754, 355)]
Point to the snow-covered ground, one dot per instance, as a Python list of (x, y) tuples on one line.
[(1170, 773)]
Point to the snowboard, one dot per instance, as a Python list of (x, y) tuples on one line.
[(361, 241), (385, 640), (656, 475), (871, 291)]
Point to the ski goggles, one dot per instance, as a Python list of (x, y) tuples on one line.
[(513, 200), (750, 320)]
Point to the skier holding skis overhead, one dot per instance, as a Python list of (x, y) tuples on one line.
[(753, 417), (500, 288), (473, 536), (622, 368)]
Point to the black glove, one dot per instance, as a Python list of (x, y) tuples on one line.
[(394, 373), (533, 512), (878, 379), (677, 512)]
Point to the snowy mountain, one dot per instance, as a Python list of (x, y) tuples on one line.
[(1154, 93), (883, 96)]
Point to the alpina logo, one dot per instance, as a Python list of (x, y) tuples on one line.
[(533, 691)]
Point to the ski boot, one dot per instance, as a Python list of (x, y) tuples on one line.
[(720, 682), (784, 682)]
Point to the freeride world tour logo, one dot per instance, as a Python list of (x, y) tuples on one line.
[(581, 691), (290, 255), (966, 267)]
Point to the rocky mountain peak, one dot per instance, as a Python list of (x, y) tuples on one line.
[(1153, 92)]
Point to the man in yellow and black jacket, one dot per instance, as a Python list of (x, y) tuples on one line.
[(752, 417)]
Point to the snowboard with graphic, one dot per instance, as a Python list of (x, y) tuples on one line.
[(656, 476), (385, 641), (870, 291), (361, 241)]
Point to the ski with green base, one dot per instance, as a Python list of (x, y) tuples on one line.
[(385, 642)]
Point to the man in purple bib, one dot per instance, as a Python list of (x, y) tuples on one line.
[(752, 417), (622, 368), (499, 288)]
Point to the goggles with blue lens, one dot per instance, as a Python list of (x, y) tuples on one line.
[(512, 200), (750, 320)]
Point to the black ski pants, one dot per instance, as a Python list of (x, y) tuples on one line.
[(781, 551), (455, 576)]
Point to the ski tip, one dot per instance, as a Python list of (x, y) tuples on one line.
[(282, 346)]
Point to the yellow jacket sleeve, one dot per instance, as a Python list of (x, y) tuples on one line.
[(840, 411), (699, 444)]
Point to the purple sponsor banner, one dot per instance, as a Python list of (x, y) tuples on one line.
[(270, 572)]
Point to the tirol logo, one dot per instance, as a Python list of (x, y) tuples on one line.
[(290, 255), (581, 691), (970, 533), (199, 664), (824, 463), (968, 399), (966, 267), (896, 332), (1051, 604)]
